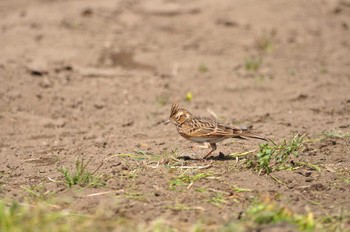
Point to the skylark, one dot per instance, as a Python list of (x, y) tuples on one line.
[(205, 130)]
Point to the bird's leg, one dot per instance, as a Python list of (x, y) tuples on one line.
[(204, 145), (213, 148)]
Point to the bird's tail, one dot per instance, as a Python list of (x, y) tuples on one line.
[(247, 134)]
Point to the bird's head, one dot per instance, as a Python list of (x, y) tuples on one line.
[(178, 115)]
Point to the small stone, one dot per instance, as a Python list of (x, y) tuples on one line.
[(37, 68), (99, 105), (101, 142), (45, 83)]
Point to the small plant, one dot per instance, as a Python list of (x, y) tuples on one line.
[(189, 96), (179, 207), (323, 70), (267, 212), (38, 192), (39, 217), (336, 134), (240, 190), (218, 200), (203, 68), (252, 64), (184, 179), (292, 72), (81, 176), (168, 158), (276, 157), (264, 43), (162, 100), (338, 222)]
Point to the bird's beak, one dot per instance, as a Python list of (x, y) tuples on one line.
[(166, 122)]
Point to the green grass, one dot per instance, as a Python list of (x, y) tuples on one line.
[(38, 192), (179, 207), (185, 179), (336, 134), (272, 158), (252, 64), (265, 44), (162, 100), (240, 190), (203, 68), (267, 212), (16, 218), (218, 199), (336, 223), (81, 176)]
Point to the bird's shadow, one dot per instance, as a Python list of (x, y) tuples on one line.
[(220, 157)]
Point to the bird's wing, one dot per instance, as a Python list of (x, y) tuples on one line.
[(230, 131), (207, 127)]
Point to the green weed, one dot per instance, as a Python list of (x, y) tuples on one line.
[(337, 223), (162, 100), (188, 180), (267, 212), (292, 72), (15, 217), (81, 176), (252, 64), (38, 192), (336, 134), (265, 44), (240, 190), (180, 207), (218, 200), (277, 157), (203, 68)]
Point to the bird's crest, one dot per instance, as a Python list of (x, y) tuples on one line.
[(174, 109)]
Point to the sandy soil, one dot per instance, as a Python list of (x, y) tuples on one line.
[(97, 78)]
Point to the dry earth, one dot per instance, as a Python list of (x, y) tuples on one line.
[(96, 79)]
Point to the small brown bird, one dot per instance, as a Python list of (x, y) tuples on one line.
[(205, 130)]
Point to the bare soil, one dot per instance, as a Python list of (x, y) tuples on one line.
[(95, 79)]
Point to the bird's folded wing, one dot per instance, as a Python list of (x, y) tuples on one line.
[(205, 127)]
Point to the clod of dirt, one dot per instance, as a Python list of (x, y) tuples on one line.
[(168, 9), (101, 142), (306, 174), (318, 187), (123, 58), (127, 124), (300, 97), (37, 68), (53, 123), (87, 12), (45, 83), (157, 194), (99, 105), (64, 67), (97, 72), (226, 22), (309, 179)]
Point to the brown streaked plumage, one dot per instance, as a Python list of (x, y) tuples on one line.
[(205, 130)]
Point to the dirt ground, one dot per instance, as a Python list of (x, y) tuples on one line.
[(96, 79)]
